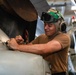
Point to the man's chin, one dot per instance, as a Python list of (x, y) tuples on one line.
[(48, 35)]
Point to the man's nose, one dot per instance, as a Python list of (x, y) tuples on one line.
[(46, 26)]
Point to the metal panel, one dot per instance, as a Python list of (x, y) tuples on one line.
[(40, 5)]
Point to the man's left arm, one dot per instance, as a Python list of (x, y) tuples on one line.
[(49, 47)]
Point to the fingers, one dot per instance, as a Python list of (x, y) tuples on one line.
[(19, 39)]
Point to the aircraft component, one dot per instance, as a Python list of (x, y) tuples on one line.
[(24, 8)]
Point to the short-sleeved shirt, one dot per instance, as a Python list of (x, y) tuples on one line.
[(58, 60)]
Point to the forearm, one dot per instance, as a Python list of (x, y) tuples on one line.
[(49, 47), (36, 49)]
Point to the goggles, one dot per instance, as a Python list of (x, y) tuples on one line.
[(51, 17)]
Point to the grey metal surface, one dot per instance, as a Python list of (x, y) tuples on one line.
[(19, 63), (40, 5)]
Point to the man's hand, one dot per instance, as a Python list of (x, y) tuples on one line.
[(12, 44), (19, 39)]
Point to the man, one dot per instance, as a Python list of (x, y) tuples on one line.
[(53, 45)]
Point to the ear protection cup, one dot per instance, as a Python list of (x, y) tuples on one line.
[(63, 27)]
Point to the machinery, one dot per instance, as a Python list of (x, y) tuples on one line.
[(17, 16)]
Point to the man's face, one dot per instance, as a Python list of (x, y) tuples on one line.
[(49, 28)]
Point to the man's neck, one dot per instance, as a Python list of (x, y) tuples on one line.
[(49, 37)]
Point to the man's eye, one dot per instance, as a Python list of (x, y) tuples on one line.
[(50, 25)]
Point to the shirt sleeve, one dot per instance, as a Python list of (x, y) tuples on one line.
[(64, 40), (36, 41)]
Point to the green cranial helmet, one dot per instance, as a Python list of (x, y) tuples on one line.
[(51, 16), (55, 13)]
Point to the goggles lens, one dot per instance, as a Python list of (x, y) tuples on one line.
[(46, 17)]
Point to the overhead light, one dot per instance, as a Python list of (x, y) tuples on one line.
[(73, 8)]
